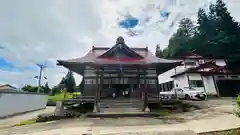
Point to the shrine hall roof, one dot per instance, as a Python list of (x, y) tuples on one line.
[(120, 53), (93, 57)]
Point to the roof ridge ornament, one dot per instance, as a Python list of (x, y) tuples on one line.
[(120, 40)]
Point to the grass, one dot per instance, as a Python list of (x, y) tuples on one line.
[(164, 112), (60, 96), (26, 122)]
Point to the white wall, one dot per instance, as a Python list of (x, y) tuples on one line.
[(16, 102), (207, 81), (220, 62), (181, 81), (166, 76), (209, 85), (194, 76)]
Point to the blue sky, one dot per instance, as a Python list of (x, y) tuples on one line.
[(8, 66), (4, 65)]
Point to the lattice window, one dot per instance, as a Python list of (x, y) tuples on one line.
[(88, 81), (151, 81)]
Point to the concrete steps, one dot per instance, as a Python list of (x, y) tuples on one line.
[(121, 105)]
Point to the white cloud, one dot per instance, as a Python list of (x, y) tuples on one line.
[(35, 31)]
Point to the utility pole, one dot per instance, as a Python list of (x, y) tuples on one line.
[(41, 67)]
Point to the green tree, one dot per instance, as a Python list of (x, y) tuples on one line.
[(70, 82), (46, 88), (216, 35), (59, 87), (179, 42), (158, 52), (165, 53), (62, 84), (56, 90), (29, 88)]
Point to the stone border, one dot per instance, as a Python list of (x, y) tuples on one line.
[(167, 132), (218, 131), (20, 92)]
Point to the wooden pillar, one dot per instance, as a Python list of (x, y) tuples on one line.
[(138, 79), (146, 109), (96, 106), (158, 90), (101, 84)]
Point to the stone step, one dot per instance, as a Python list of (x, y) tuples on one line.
[(120, 105), (120, 110), (120, 101)]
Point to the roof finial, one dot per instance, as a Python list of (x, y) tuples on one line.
[(120, 40)]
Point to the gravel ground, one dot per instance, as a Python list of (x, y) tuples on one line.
[(213, 108)]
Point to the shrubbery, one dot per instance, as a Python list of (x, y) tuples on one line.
[(237, 111), (52, 99)]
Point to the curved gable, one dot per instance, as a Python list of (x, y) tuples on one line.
[(120, 50)]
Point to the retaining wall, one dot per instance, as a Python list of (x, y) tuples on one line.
[(15, 102)]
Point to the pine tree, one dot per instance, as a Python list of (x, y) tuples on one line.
[(70, 82), (158, 52), (46, 88)]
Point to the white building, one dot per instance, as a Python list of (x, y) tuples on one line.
[(209, 75)]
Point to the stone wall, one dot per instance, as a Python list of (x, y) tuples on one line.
[(14, 102)]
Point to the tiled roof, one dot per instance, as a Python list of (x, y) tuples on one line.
[(6, 86), (206, 68), (124, 55), (92, 57)]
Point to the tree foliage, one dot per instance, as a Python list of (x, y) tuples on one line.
[(29, 88), (179, 42), (214, 36), (67, 82), (46, 88), (70, 82), (158, 52)]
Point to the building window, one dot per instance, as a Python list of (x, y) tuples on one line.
[(88, 81), (151, 81), (171, 85), (221, 76), (234, 76), (190, 63), (196, 83)]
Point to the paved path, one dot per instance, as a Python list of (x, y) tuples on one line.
[(211, 119), (219, 123), (8, 122)]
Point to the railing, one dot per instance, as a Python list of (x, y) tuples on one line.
[(80, 99)]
